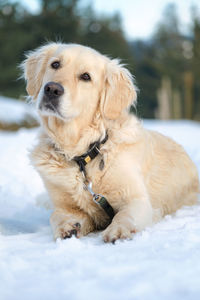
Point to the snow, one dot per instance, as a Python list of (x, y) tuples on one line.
[(13, 111), (162, 262)]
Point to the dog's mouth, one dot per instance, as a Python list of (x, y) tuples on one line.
[(47, 106), (49, 109)]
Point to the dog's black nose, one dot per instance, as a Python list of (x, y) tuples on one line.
[(53, 90)]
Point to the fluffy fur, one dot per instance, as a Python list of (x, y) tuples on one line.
[(145, 176)]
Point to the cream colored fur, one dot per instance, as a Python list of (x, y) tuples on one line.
[(145, 176)]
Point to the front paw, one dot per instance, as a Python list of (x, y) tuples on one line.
[(117, 231), (67, 230)]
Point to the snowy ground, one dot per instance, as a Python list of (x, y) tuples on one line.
[(12, 111), (162, 262)]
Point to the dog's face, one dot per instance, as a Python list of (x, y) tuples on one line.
[(72, 81)]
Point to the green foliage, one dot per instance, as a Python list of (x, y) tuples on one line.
[(147, 77), (169, 54), (58, 20), (196, 60)]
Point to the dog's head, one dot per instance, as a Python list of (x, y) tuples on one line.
[(70, 81)]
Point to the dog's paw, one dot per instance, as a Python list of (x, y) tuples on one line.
[(67, 230), (117, 231)]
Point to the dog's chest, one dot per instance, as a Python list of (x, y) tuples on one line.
[(65, 176), (76, 183)]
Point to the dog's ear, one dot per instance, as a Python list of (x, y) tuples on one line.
[(34, 66), (119, 92)]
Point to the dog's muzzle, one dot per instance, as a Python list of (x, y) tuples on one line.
[(51, 95)]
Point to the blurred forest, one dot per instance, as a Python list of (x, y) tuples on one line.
[(166, 67)]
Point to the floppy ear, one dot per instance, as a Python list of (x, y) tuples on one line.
[(120, 91), (34, 67)]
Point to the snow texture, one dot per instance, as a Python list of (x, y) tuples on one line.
[(162, 262), (12, 111)]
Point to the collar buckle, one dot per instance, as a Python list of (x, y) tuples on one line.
[(93, 151), (82, 161)]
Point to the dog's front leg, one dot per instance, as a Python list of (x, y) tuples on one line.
[(69, 221), (128, 195), (129, 219)]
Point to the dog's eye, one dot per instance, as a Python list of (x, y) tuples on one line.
[(55, 64), (85, 77)]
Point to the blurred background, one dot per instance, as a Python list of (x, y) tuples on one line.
[(158, 40)]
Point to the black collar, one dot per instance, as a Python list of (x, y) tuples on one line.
[(94, 150), (82, 161)]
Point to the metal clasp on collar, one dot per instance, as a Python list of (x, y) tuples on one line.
[(95, 197), (98, 198)]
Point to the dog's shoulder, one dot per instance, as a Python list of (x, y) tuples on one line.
[(45, 153)]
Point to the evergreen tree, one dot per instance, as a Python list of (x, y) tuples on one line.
[(57, 20), (196, 62)]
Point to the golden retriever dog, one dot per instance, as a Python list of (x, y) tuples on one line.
[(102, 169)]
